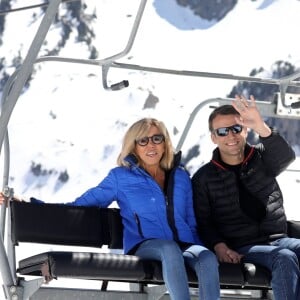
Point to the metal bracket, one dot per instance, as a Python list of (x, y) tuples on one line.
[(8, 192), (286, 108), (284, 83)]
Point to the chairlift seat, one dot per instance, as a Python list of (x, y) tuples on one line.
[(98, 227)]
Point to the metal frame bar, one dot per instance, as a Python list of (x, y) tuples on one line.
[(8, 275)]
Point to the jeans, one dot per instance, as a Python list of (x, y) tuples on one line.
[(173, 260), (281, 257)]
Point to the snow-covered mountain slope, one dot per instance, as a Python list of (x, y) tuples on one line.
[(66, 129)]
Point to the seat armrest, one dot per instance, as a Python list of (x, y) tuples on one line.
[(293, 229)]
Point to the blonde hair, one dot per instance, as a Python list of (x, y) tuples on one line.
[(140, 129)]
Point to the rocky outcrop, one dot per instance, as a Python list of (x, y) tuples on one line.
[(209, 9)]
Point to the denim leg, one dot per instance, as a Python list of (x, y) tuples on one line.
[(173, 267), (282, 261), (205, 264), (288, 243)]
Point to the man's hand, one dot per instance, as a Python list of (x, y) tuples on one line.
[(226, 254), (250, 115)]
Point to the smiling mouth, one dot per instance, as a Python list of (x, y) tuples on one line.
[(151, 154), (232, 144)]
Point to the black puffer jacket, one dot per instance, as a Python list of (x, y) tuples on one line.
[(216, 195)]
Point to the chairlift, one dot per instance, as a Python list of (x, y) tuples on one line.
[(13, 231)]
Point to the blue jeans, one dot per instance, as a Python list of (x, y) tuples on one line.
[(281, 257), (173, 260)]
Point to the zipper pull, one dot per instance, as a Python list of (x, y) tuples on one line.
[(167, 200)]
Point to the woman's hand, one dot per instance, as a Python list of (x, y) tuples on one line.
[(4, 199)]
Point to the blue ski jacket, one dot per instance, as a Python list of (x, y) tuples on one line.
[(147, 212)]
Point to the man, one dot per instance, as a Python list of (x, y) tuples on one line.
[(238, 202)]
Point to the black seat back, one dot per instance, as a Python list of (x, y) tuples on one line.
[(65, 225)]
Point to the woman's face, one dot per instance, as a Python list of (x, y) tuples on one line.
[(151, 153)]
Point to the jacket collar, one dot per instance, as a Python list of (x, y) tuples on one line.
[(216, 158)]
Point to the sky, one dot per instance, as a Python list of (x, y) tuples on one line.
[(68, 121)]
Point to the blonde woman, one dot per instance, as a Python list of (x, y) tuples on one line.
[(154, 194)]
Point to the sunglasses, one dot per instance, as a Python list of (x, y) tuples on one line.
[(224, 131), (155, 139)]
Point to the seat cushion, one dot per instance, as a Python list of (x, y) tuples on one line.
[(85, 265)]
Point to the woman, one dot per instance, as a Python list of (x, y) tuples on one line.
[(154, 194)]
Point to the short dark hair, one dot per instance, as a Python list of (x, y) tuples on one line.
[(223, 110)]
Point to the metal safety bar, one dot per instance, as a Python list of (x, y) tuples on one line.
[(267, 109), (283, 82)]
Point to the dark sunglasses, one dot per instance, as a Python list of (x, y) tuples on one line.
[(155, 139), (224, 131)]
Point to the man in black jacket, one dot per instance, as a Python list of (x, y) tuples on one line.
[(238, 202)]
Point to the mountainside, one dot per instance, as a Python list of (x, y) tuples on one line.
[(66, 129)]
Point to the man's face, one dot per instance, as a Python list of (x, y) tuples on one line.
[(232, 145)]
